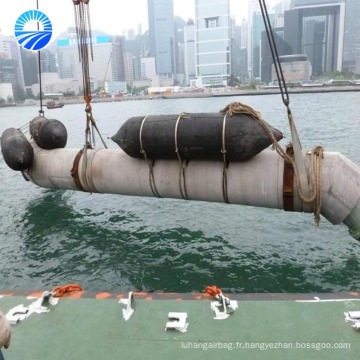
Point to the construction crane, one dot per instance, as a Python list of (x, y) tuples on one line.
[(102, 91)]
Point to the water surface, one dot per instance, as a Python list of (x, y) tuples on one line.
[(118, 243)]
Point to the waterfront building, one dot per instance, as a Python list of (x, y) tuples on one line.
[(244, 75), (148, 67), (213, 42), (108, 64), (139, 47), (162, 35), (48, 61), (115, 87), (235, 52), (282, 46), (11, 64), (351, 55), (30, 65), (189, 52), (253, 8), (180, 75), (316, 28), (179, 47), (52, 84), (295, 68), (244, 34), (255, 28), (129, 68)]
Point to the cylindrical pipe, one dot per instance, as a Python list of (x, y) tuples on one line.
[(257, 182)]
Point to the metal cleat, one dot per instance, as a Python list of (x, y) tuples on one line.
[(20, 312), (225, 304), (354, 317), (178, 322), (17, 313), (129, 303), (40, 305)]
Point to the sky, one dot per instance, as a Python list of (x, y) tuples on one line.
[(110, 16)]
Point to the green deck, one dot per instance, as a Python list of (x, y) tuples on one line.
[(88, 328)]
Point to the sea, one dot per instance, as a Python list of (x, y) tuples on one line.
[(116, 243)]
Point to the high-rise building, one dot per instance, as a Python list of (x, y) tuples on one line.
[(8, 72), (30, 66), (108, 61), (179, 44), (235, 51), (267, 62), (148, 68), (162, 35), (140, 29), (316, 28), (255, 28), (244, 34), (189, 52), (253, 8), (139, 47), (351, 55), (213, 42), (130, 34), (11, 56), (117, 49), (48, 61), (129, 68)]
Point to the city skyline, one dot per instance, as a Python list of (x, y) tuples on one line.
[(313, 37), (105, 18)]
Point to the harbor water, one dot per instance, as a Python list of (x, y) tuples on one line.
[(117, 243)]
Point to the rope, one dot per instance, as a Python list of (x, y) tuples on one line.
[(226, 162), (182, 178), (60, 291), (317, 154), (150, 162), (275, 54), (84, 39), (318, 151)]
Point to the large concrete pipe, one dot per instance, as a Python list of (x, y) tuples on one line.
[(257, 182)]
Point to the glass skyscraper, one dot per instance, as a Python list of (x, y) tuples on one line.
[(162, 35), (352, 36), (213, 41)]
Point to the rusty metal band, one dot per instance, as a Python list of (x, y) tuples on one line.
[(75, 171), (288, 183)]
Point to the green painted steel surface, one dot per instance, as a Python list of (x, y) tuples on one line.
[(94, 329)]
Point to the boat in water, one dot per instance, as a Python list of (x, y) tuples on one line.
[(53, 105)]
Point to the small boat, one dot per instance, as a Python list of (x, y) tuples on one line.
[(53, 105)]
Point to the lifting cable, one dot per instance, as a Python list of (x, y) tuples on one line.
[(41, 111), (317, 153), (182, 162), (150, 162), (84, 40)]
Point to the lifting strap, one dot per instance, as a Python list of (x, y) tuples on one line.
[(149, 161), (183, 163)]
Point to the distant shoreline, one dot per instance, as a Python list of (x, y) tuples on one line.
[(276, 91)]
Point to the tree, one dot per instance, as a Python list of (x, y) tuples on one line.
[(19, 94)]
